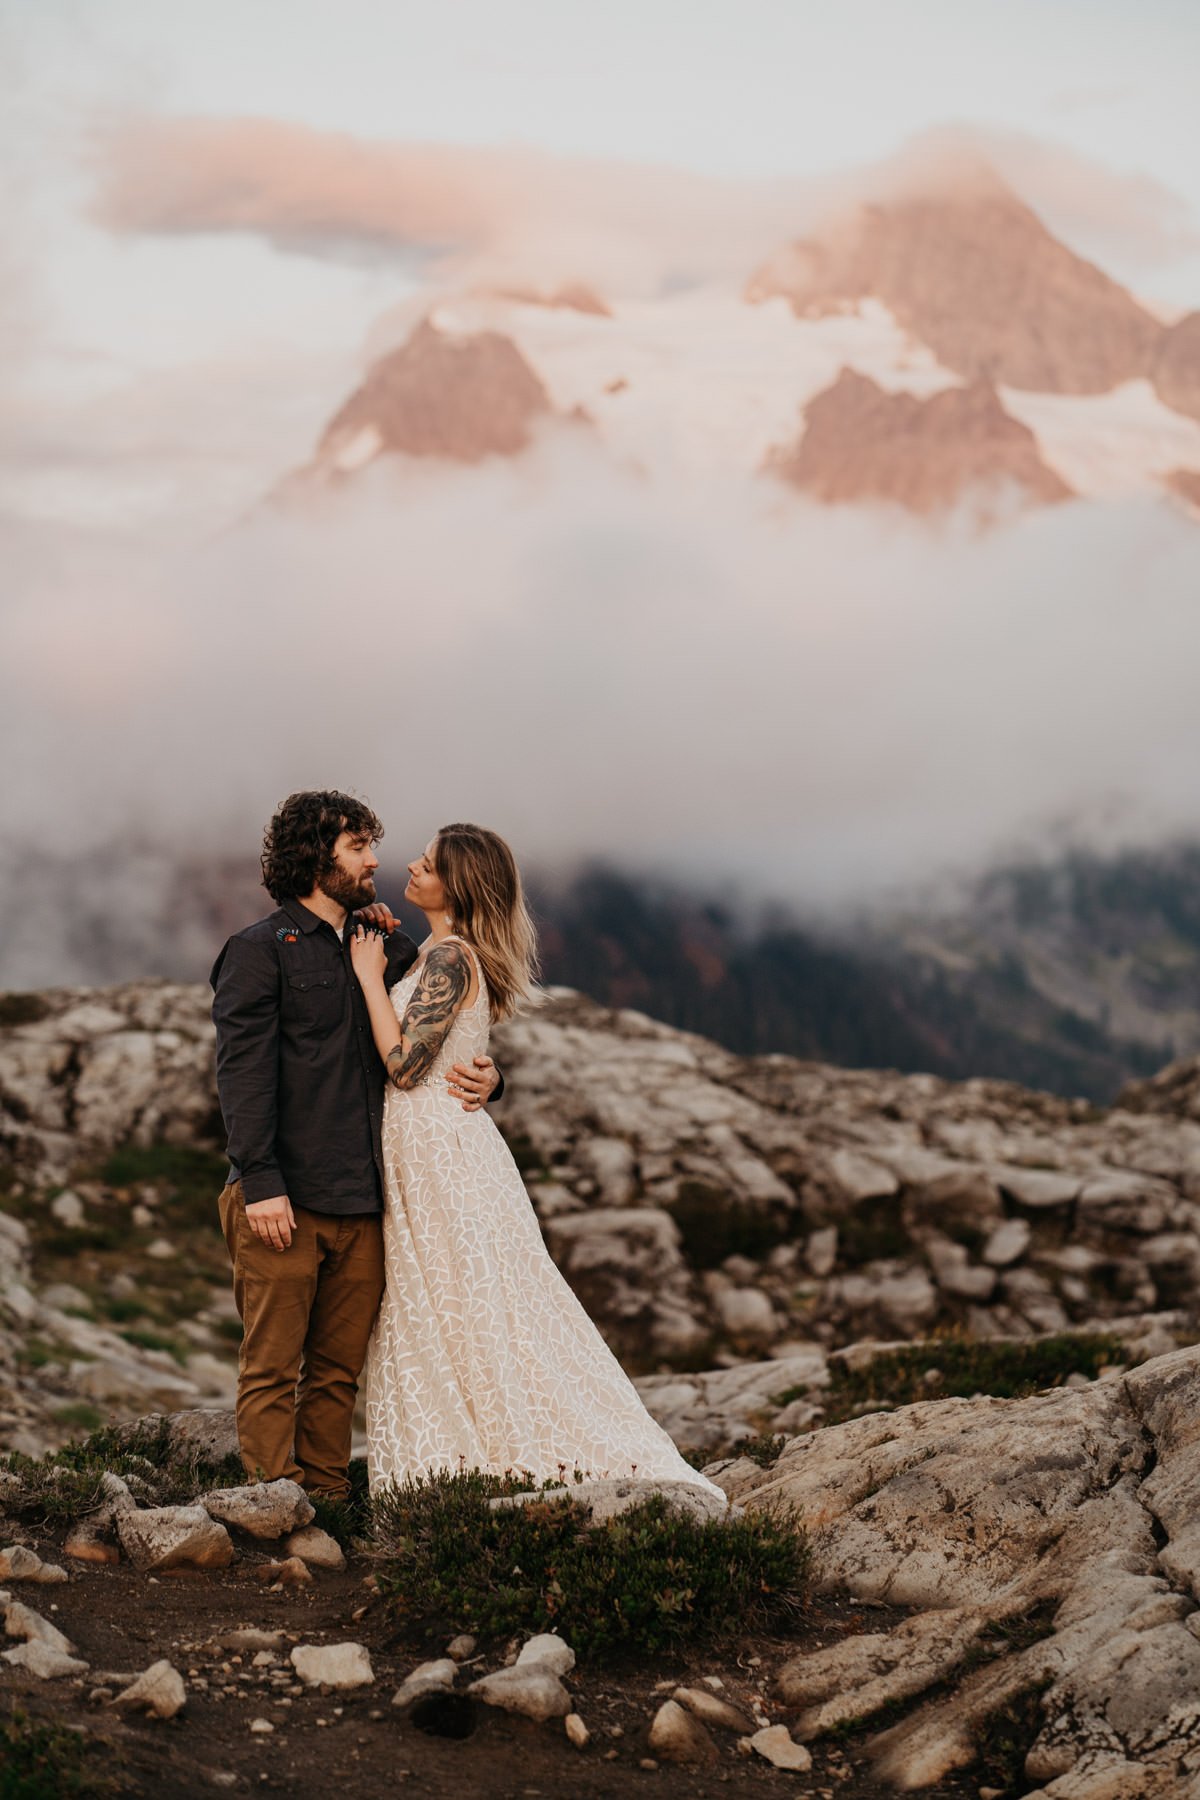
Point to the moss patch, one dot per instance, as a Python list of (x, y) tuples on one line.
[(960, 1366)]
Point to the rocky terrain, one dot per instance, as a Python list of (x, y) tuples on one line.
[(827, 1281), (710, 1210)]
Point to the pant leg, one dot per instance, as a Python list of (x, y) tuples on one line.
[(349, 1290), (274, 1290)]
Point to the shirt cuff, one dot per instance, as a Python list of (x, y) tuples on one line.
[(265, 1184)]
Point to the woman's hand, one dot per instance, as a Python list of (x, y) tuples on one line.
[(378, 915), (368, 955)]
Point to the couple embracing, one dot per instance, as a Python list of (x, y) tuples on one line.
[(374, 1216)]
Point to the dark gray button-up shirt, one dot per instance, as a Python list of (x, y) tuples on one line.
[(300, 1080)]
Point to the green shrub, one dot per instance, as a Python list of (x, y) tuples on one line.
[(964, 1366), (350, 1518), (47, 1762), (159, 1473), (45, 1492), (80, 1413), (646, 1582), (193, 1177)]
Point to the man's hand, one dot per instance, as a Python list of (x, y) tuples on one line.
[(474, 1085), (272, 1221)]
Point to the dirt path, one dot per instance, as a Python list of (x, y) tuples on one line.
[(122, 1621)]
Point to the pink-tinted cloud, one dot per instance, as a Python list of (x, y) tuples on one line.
[(520, 214), (510, 211)]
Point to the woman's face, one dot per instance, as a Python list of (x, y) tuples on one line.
[(424, 886)]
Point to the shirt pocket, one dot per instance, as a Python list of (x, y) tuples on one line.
[(315, 1001)]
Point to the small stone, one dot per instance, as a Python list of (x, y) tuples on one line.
[(68, 1209), (249, 1637), (711, 1710), (19, 1564), (679, 1738), (262, 1728), (289, 1573), (44, 1660), (577, 1731), (263, 1659), (461, 1648), (316, 1548), (22, 1622), (426, 1678), (333, 1665), (647, 1762), (547, 1651), (159, 1690), (775, 1742), (162, 1249)]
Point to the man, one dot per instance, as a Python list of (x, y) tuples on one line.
[(301, 1091)]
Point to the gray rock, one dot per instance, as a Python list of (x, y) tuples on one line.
[(677, 1736), (164, 1537), (17, 1563), (266, 1509), (316, 1548), (461, 1648), (427, 1678), (710, 1709), (1008, 1243), (746, 1313), (69, 1210), (333, 1665), (21, 1621), (158, 1690), (44, 1661), (533, 1690), (1036, 1187), (546, 1651), (774, 1742)]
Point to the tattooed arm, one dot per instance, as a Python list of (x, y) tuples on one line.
[(441, 990)]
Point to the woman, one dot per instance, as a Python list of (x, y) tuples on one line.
[(482, 1357)]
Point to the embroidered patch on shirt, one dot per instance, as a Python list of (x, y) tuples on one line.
[(286, 935)]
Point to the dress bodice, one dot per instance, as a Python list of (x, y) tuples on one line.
[(468, 1034)]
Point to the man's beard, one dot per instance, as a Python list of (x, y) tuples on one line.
[(343, 889)]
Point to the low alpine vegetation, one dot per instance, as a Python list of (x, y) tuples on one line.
[(646, 1582)]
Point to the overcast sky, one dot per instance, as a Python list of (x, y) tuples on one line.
[(162, 363)]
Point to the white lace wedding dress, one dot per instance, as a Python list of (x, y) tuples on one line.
[(482, 1357)]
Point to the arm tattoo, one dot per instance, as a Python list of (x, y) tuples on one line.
[(429, 1015)]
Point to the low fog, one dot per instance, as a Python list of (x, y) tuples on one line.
[(722, 685)]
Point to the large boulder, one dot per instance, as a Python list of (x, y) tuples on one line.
[(1073, 1507)]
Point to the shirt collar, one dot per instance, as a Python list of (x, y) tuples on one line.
[(301, 915)]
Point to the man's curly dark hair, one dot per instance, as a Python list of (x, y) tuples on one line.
[(298, 843)]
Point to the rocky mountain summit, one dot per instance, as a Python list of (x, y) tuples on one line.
[(935, 326), (860, 443)]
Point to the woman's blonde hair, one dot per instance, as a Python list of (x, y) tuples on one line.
[(486, 904)]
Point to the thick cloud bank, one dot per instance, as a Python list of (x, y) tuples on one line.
[(766, 698)]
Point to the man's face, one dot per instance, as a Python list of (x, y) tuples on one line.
[(348, 881)]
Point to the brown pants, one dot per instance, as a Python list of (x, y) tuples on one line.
[(307, 1314)]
